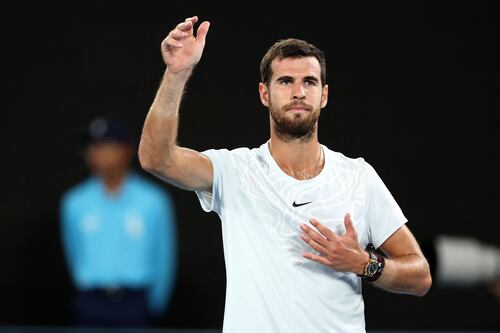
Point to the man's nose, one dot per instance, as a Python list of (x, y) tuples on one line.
[(298, 92)]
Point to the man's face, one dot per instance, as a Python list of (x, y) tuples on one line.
[(108, 158), (294, 96)]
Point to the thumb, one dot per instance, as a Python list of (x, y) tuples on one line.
[(349, 227), (202, 31)]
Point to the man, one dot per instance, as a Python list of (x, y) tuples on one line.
[(119, 235), (296, 216)]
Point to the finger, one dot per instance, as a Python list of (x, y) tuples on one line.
[(314, 245), (193, 19), (178, 34), (170, 42), (330, 235), (201, 33), (349, 226), (185, 26), (318, 238), (318, 259)]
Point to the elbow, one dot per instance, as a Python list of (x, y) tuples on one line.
[(151, 165), (420, 283), (144, 160), (425, 282), (148, 158), (145, 164), (155, 163), (424, 286), (148, 162)]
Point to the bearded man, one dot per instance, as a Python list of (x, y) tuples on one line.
[(302, 225)]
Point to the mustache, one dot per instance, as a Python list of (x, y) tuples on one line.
[(298, 105)]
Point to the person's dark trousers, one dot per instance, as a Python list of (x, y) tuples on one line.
[(111, 307)]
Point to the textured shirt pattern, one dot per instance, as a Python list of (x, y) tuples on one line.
[(270, 286)]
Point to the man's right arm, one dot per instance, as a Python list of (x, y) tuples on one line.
[(159, 153)]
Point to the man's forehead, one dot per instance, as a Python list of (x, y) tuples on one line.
[(304, 66)]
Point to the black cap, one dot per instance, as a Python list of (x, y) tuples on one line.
[(107, 129)]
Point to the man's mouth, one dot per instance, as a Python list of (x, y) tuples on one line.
[(298, 108)]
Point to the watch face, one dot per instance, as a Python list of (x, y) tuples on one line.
[(372, 269)]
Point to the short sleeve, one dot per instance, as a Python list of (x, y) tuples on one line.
[(383, 214), (211, 201)]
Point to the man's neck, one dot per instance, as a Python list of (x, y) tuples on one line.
[(297, 158), (113, 181)]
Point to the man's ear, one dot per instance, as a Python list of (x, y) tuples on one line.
[(324, 96), (264, 94)]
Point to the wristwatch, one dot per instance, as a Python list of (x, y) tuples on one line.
[(374, 267)]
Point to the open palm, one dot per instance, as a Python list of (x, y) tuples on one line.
[(182, 50)]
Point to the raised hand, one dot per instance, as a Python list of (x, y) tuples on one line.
[(182, 50), (340, 252)]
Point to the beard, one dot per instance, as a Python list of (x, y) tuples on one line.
[(297, 127)]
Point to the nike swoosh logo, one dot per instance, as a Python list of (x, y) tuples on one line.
[(300, 204)]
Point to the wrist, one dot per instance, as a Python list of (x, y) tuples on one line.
[(181, 76), (374, 267), (365, 258), (178, 75)]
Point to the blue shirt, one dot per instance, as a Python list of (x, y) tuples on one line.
[(124, 239)]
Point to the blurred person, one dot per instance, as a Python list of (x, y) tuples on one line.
[(119, 235), (297, 218), (463, 262)]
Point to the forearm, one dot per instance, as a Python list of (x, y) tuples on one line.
[(409, 274), (159, 133)]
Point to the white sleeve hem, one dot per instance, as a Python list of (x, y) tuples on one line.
[(378, 242), (206, 200)]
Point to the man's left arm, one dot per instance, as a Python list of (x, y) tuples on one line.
[(406, 269)]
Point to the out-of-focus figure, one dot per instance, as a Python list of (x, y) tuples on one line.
[(460, 261), (119, 235)]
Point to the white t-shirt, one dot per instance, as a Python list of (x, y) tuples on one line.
[(271, 287)]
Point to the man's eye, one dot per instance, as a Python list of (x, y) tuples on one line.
[(286, 81), (310, 83)]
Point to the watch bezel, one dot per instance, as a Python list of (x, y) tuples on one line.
[(372, 266)]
